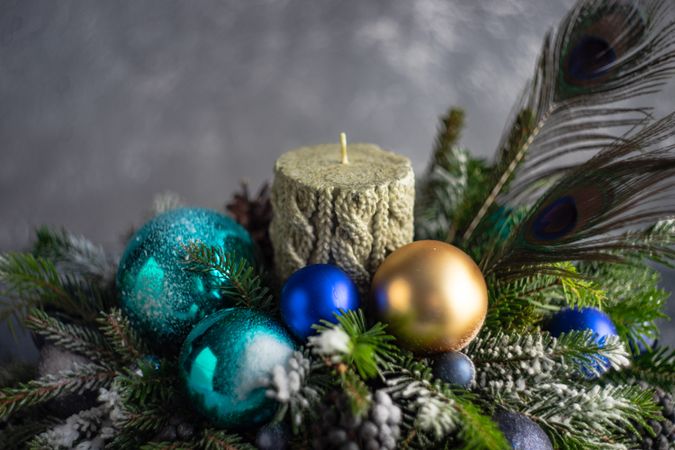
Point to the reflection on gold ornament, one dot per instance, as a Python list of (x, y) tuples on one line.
[(432, 295)]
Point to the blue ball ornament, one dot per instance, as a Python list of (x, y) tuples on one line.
[(521, 432), (160, 296), (224, 359), (578, 319), (454, 368), (314, 293)]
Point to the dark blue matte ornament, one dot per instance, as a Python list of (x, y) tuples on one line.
[(224, 359), (160, 296), (314, 293), (272, 437), (571, 319), (521, 432), (454, 368)]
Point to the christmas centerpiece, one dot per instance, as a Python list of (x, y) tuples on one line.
[(493, 305)]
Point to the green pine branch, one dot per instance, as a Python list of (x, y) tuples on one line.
[(239, 279), (122, 337), (634, 298), (82, 378), (367, 350), (80, 339), (34, 282), (518, 305)]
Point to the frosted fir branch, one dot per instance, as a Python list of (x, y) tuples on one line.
[(290, 386), (333, 344), (601, 416), (79, 431), (431, 412), (74, 254), (522, 361)]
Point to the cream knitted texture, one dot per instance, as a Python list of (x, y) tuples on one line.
[(350, 215)]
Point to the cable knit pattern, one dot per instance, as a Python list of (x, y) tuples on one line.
[(350, 215)]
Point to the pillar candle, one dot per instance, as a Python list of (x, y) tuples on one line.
[(349, 206)]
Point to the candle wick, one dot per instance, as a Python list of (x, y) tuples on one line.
[(343, 148)]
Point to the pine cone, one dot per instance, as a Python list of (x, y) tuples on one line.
[(338, 429), (665, 428), (254, 214)]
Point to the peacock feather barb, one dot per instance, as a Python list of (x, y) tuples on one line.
[(604, 53)]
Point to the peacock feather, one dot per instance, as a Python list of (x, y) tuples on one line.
[(599, 208), (604, 53)]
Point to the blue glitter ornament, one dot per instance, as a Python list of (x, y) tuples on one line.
[(571, 319), (160, 296), (224, 359), (454, 368), (313, 293), (521, 432)]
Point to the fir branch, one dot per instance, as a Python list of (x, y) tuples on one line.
[(655, 367), (78, 428), (635, 299), (76, 338), (121, 336), (16, 436), (518, 304), (600, 417), (240, 280), (221, 440), (523, 361), (654, 242), (437, 411), (351, 342), (73, 254), (356, 390), (78, 380), (33, 282)]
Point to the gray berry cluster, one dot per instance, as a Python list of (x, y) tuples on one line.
[(379, 429), (663, 429)]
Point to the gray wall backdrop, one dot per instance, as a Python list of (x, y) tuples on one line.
[(103, 104)]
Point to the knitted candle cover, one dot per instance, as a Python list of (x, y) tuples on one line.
[(351, 215)]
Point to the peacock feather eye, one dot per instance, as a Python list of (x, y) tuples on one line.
[(556, 220), (597, 45), (590, 58)]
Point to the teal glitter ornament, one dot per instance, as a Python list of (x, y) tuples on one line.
[(223, 362), (161, 297)]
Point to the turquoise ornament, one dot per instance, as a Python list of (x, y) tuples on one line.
[(160, 296), (223, 362)]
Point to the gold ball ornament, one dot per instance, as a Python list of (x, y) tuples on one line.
[(432, 295)]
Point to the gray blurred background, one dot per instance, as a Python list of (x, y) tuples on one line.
[(105, 104)]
